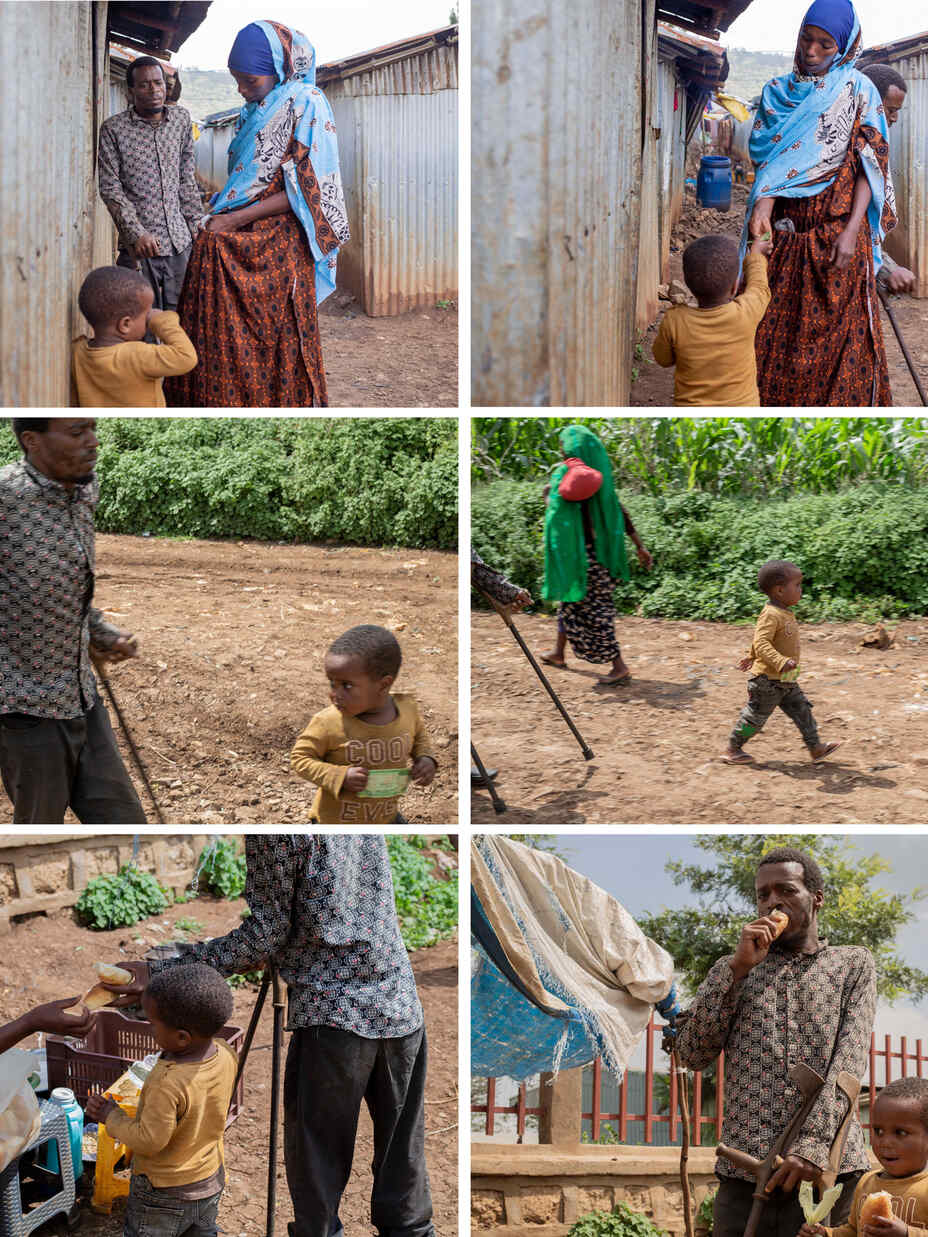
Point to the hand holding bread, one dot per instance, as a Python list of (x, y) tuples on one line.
[(756, 939)]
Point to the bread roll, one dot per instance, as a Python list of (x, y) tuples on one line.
[(112, 974), (781, 919), (874, 1205)]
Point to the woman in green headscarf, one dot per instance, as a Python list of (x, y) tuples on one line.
[(585, 556)]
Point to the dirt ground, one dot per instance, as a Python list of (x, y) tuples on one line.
[(657, 741), (653, 387), (232, 637), (47, 957), (410, 361)]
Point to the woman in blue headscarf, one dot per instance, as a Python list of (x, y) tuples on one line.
[(822, 186), (266, 256)]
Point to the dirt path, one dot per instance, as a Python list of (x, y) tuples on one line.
[(50, 957), (233, 636), (410, 361), (653, 387), (656, 741)]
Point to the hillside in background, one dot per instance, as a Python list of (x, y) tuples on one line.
[(750, 71), (204, 91)]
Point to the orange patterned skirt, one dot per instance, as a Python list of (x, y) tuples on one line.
[(820, 343), (249, 307)]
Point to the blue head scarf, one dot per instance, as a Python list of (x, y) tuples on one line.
[(295, 111), (251, 52), (803, 126)]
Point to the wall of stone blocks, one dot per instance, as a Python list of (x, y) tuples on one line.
[(542, 1191), (42, 873)]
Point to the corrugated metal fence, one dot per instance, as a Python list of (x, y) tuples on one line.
[(908, 157), (556, 169), (52, 233)]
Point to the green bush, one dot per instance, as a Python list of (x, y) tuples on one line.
[(426, 907), (705, 1212), (863, 551), (221, 870), (621, 1221), (122, 900), (382, 481)]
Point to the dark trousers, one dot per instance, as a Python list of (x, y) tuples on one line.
[(765, 695), (48, 766), (329, 1072), (781, 1217), (151, 1212), (165, 274)]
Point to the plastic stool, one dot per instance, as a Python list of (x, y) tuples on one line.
[(14, 1222), (106, 1185)]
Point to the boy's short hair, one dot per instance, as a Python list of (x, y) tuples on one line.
[(111, 292), (192, 998), (710, 266), (908, 1089), (378, 648), (812, 876), (775, 571), (884, 76)]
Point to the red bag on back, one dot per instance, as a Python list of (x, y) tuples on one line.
[(580, 481)]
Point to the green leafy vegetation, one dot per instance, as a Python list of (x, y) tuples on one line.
[(855, 912), (382, 481), (221, 869), (426, 906), (122, 900), (188, 926), (704, 1212), (621, 1221), (863, 550)]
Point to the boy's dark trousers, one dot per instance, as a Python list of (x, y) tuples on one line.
[(151, 1212), (329, 1072), (48, 765), (764, 695), (781, 1217)]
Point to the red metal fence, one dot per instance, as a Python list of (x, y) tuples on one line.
[(877, 1077)]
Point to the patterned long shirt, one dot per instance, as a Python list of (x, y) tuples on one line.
[(46, 585), (146, 178), (816, 1009), (322, 908)]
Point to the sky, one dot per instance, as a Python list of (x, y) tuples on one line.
[(769, 27), (335, 30), (631, 868)]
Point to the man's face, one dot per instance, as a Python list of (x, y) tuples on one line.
[(892, 104), (781, 886), (147, 90), (66, 452)]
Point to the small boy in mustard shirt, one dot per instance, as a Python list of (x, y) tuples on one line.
[(773, 661), (358, 750), (176, 1135), (117, 369), (899, 1140), (713, 346)]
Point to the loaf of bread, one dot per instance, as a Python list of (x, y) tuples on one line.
[(98, 996), (112, 974), (781, 919), (874, 1206)]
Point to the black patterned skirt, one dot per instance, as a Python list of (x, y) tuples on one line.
[(589, 625)]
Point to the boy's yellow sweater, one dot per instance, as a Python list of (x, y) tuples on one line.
[(713, 349), (910, 1201), (333, 741), (176, 1135), (132, 375), (776, 640)]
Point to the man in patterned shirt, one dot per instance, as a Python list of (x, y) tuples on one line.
[(146, 170), (323, 910), (57, 748), (771, 1005)]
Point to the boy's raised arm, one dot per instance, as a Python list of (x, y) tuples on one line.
[(176, 355), (153, 1126)]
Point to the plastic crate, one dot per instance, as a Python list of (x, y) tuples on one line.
[(108, 1051)]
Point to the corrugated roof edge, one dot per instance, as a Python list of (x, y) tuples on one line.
[(897, 50), (363, 61)]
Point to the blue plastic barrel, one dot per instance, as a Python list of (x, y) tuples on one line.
[(713, 184)]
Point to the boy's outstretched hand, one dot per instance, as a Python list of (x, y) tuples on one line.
[(423, 770), (880, 1226), (813, 1230), (97, 1108), (745, 663)]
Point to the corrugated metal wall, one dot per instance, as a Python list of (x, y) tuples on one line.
[(661, 186), (556, 164), (398, 149), (212, 152), (649, 234), (908, 157), (47, 191)]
